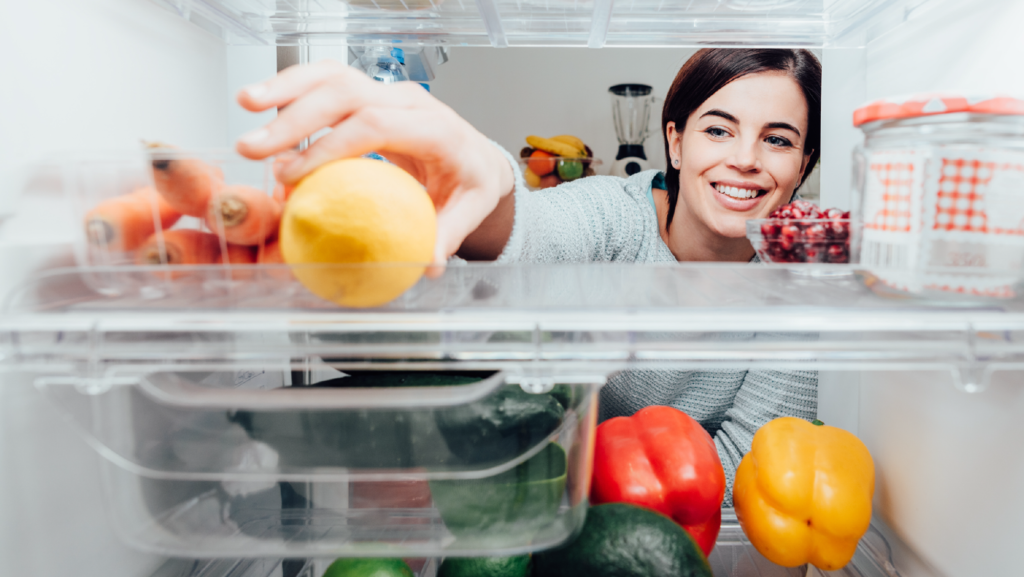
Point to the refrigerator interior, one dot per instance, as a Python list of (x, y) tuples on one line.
[(109, 72)]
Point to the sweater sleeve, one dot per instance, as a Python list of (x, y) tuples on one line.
[(593, 219), (763, 396)]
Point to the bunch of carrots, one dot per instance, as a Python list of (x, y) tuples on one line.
[(244, 219)]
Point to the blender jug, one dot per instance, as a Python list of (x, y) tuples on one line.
[(631, 114)]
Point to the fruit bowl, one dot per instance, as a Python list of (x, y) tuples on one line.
[(548, 162), (801, 232), (787, 240), (562, 169)]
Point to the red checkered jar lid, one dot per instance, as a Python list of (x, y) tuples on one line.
[(933, 104)]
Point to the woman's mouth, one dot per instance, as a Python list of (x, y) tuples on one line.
[(741, 193), (738, 197)]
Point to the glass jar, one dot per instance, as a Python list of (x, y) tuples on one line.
[(940, 181)]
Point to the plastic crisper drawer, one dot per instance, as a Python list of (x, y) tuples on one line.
[(733, 556), (442, 462), (593, 23)]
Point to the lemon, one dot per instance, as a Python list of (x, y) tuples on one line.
[(355, 212)]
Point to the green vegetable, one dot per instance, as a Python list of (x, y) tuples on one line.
[(368, 568), (485, 567), (358, 438), (508, 508), (622, 540), (499, 427), (570, 169)]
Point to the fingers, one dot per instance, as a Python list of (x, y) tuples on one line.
[(457, 219), (411, 132), (324, 105), (291, 83)]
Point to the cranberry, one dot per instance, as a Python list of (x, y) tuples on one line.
[(837, 254), (813, 253), (839, 230), (815, 232), (835, 214), (788, 235), (782, 212), (770, 229)]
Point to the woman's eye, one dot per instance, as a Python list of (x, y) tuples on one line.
[(716, 131), (778, 141)]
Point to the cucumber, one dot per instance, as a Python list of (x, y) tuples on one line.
[(499, 427)]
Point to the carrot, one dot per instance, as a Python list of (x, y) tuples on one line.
[(180, 247), (123, 223), (270, 254), (240, 254), (186, 183), (243, 214)]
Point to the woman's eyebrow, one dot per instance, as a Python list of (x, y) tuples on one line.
[(783, 125), (722, 114)]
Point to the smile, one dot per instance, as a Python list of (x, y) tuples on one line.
[(741, 193)]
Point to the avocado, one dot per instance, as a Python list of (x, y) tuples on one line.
[(623, 540)]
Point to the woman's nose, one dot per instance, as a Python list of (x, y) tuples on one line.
[(744, 157)]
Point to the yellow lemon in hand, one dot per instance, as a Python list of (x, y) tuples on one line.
[(358, 211)]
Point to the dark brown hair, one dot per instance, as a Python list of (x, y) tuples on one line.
[(710, 69)]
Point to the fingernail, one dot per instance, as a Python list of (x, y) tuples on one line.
[(256, 90), (255, 137)]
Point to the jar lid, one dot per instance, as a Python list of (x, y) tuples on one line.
[(931, 104)]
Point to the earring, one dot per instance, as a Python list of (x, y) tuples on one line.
[(675, 162)]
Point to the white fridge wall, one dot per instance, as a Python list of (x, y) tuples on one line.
[(101, 74), (949, 467), (80, 74)]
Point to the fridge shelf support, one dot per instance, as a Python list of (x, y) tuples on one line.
[(492, 23), (599, 24)]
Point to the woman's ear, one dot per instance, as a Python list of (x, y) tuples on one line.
[(803, 165), (674, 139)]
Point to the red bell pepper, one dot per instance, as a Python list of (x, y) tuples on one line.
[(662, 459)]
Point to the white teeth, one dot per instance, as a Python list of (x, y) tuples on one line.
[(736, 192)]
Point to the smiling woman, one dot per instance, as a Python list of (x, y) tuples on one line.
[(741, 131)]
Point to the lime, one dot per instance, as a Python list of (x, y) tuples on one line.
[(368, 568), (518, 566)]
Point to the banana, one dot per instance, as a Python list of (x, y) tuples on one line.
[(573, 142), (554, 147)]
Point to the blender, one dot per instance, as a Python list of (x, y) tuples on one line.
[(631, 113)]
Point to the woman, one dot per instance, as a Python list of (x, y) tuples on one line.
[(742, 132)]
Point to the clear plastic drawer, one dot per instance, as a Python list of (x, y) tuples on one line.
[(219, 464)]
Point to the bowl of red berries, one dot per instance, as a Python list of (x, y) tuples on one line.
[(802, 232)]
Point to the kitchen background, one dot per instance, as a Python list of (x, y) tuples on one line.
[(63, 87)]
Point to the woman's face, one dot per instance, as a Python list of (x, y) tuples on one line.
[(741, 154)]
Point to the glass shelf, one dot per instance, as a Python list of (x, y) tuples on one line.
[(536, 322), (593, 23)]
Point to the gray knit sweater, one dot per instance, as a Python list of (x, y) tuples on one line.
[(610, 219)]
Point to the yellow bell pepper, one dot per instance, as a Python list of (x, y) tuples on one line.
[(803, 493)]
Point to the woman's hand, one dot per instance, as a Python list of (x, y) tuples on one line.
[(464, 174)]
